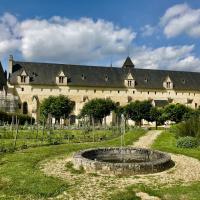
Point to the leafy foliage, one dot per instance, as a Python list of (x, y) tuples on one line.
[(187, 142), (175, 112), (138, 110), (23, 119), (98, 108), (155, 115), (190, 127), (57, 106)]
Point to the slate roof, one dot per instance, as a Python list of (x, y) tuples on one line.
[(97, 76), (2, 78)]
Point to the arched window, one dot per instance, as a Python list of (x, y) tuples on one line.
[(25, 108)]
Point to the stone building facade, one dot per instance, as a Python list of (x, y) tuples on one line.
[(32, 82)]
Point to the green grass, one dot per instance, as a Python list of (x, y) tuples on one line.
[(21, 178), (167, 142)]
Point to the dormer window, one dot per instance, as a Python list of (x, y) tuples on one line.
[(145, 80), (23, 78), (168, 84), (61, 79), (183, 81), (129, 81)]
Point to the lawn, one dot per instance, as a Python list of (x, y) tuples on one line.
[(21, 178)]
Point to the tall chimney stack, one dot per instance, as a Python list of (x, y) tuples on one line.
[(10, 64)]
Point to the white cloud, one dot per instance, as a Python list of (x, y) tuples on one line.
[(171, 58), (63, 40), (181, 19), (9, 41), (87, 41), (147, 30)]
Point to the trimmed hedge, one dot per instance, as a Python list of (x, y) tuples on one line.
[(187, 142), (23, 119)]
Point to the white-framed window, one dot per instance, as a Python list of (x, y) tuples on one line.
[(130, 83), (23, 79), (168, 84), (61, 79)]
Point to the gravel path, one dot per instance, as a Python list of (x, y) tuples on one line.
[(147, 140), (92, 186)]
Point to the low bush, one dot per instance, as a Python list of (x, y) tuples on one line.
[(187, 142), (23, 119), (54, 140), (190, 127), (6, 148)]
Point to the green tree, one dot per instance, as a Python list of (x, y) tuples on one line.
[(98, 108), (176, 112), (57, 106), (155, 115), (138, 110)]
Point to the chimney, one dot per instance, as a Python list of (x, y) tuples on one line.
[(10, 64)]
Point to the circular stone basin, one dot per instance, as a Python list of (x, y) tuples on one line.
[(124, 161)]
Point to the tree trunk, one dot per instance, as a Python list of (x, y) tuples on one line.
[(43, 130), (105, 122), (93, 127), (17, 131)]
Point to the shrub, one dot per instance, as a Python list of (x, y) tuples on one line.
[(191, 127), (6, 148), (23, 119), (187, 142), (54, 140)]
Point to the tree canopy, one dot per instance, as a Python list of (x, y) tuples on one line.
[(98, 108), (175, 112), (57, 106), (155, 115), (138, 110)]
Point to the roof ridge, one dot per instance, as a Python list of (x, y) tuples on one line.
[(47, 63)]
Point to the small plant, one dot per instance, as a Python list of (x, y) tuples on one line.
[(6, 148), (187, 142), (70, 167), (24, 146)]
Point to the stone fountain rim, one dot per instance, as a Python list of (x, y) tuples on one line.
[(166, 157)]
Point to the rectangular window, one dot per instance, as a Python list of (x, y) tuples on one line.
[(61, 79), (129, 83), (23, 79), (168, 85)]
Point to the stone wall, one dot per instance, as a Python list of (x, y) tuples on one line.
[(121, 95)]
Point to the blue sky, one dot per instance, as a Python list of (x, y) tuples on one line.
[(155, 34)]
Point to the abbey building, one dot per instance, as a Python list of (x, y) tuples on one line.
[(31, 82)]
